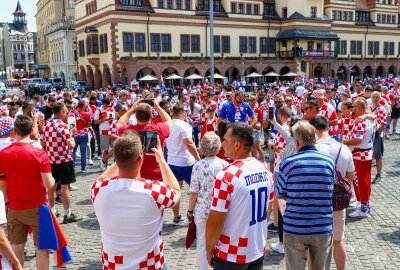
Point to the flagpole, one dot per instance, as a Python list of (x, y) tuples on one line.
[(211, 42)]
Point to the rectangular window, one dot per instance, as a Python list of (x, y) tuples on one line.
[(128, 42), (334, 15), (339, 16), (185, 43), (70, 4), (170, 4), (243, 44), (343, 47), (195, 43), (233, 7), (269, 9), (350, 16), (160, 3), (378, 18), (271, 45), (353, 45), (226, 44), (140, 43), (385, 48), (383, 18), (101, 44), (187, 4), (95, 44), (359, 47), (337, 47), (370, 47), (81, 48), (105, 43), (89, 45), (256, 9), (178, 4), (155, 42), (166, 42), (217, 45), (393, 19), (313, 12), (137, 3), (241, 8), (263, 45), (310, 45), (252, 44), (248, 8), (284, 13), (376, 48)]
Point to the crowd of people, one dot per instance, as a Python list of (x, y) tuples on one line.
[(245, 156)]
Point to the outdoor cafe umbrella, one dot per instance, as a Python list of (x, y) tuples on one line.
[(289, 74), (194, 76), (217, 76), (271, 74), (173, 77), (148, 78), (254, 74)]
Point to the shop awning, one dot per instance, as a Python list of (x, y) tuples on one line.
[(307, 34)]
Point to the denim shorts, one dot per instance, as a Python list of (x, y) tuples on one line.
[(182, 172)]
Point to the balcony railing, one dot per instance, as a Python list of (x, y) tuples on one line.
[(305, 54)]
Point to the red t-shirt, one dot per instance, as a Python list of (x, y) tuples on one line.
[(80, 124), (150, 168), (157, 120), (25, 187)]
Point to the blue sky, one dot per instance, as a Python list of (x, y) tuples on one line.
[(29, 7)]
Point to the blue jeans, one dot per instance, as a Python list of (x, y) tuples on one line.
[(82, 142), (195, 133)]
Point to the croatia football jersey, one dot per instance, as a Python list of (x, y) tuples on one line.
[(365, 131), (242, 189), (129, 212)]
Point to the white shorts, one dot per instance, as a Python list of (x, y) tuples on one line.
[(339, 219)]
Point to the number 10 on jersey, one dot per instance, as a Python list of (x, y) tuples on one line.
[(259, 205)]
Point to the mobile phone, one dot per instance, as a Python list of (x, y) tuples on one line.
[(149, 140), (271, 113), (148, 101)]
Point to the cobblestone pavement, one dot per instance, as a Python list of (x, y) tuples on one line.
[(371, 243)]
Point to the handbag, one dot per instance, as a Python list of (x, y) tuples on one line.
[(341, 189), (191, 233)]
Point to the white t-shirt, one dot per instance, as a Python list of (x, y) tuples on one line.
[(330, 148), (178, 154), (242, 190), (6, 142), (3, 218)]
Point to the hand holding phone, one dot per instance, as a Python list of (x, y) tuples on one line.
[(270, 113)]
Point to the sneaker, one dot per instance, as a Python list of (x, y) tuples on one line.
[(278, 247), (387, 136), (355, 206), (57, 214), (90, 162), (99, 158), (72, 218), (359, 214), (179, 221), (78, 154), (83, 171), (58, 199), (102, 165), (72, 187), (272, 228), (377, 179)]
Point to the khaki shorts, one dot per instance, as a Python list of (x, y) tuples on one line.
[(339, 218), (18, 223)]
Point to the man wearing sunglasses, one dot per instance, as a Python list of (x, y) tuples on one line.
[(237, 110)]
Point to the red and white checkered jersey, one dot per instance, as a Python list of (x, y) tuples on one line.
[(56, 136), (296, 101), (345, 126), (203, 111), (381, 115), (329, 112), (396, 96), (129, 212), (113, 128), (242, 189), (365, 131), (101, 113), (280, 143)]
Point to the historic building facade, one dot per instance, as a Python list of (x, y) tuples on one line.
[(17, 45), (121, 40), (55, 21)]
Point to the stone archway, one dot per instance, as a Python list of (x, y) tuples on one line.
[(342, 73), (90, 77), (355, 72), (82, 73), (367, 72), (250, 70), (62, 76), (190, 71), (98, 80), (55, 74), (392, 70), (232, 74), (283, 71), (106, 75), (145, 71), (208, 72), (268, 70), (124, 76), (170, 71), (380, 71), (318, 72)]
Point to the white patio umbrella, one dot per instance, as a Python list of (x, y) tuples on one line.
[(217, 76), (254, 74), (289, 74), (194, 76), (173, 77), (148, 78), (271, 74)]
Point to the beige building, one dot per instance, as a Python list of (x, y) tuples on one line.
[(56, 39), (121, 40)]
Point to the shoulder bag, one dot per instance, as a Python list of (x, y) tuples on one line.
[(341, 189)]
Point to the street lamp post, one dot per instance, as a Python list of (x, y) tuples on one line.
[(211, 42)]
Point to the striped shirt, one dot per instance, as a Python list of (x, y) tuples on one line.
[(306, 180)]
